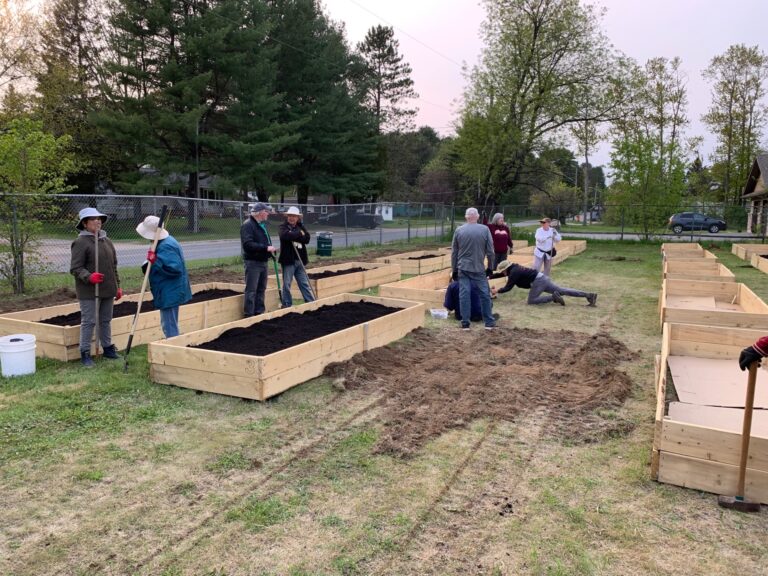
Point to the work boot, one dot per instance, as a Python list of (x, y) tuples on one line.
[(85, 358), (111, 352), (556, 297), (592, 299)]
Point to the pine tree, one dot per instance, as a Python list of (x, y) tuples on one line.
[(384, 79)]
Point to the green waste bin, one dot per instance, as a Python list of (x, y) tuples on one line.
[(324, 243)]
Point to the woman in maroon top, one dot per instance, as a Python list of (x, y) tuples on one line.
[(502, 238)]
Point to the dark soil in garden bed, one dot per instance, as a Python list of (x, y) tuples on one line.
[(129, 308), (332, 273), (423, 257), (433, 382), (293, 328)]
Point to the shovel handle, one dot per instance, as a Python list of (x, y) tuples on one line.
[(746, 429)]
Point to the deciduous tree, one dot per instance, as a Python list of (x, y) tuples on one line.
[(738, 113)]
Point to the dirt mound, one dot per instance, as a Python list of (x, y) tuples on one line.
[(435, 383)]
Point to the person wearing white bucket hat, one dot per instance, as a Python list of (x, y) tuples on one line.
[(168, 278), (83, 267), (293, 256)]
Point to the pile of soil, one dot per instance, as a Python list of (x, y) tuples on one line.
[(129, 308), (432, 384), (293, 328), (331, 273)]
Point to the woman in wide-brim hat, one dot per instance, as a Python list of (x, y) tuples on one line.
[(83, 267)]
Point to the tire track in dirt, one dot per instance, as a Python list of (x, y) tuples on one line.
[(183, 543), (336, 418), (452, 533)]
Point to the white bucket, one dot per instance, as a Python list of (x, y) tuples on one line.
[(17, 354)]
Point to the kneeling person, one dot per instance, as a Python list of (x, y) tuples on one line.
[(538, 283)]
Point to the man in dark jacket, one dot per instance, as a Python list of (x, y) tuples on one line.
[(293, 256), (538, 282), (88, 276), (257, 250), (168, 278)]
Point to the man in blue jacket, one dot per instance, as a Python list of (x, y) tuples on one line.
[(168, 278), (257, 250)]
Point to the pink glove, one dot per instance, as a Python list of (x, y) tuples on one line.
[(151, 256), (96, 278), (119, 294)]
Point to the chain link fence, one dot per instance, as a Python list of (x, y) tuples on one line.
[(36, 232)]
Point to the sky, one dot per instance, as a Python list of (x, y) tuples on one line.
[(438, 37)]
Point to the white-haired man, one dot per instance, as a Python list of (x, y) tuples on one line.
[(472, 247)]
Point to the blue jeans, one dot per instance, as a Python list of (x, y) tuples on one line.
[(291, 271), (466, 281), (255, 287), (169, 321)]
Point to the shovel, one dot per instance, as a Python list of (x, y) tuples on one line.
[(738, 502)]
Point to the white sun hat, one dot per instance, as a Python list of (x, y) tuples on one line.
[(293, 211), (148, 228)]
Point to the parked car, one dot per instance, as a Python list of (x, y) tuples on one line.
[(695, 221)]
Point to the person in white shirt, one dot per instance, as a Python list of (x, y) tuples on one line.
[(546, 238)]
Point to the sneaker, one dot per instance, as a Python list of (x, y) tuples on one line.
[(110, 352), (592, 299), (85, 358), (465, 327), (556, 297), (491, 327)]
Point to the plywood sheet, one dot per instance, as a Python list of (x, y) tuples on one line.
[(712, 382), (730, 419)]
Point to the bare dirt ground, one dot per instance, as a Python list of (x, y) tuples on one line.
[(433, 384)]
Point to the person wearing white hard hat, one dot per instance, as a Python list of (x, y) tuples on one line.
[(83, 266), (257, 250), (294, 238), (168, 278)]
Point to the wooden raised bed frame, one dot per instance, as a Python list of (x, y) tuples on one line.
[(704, 269), (260, 377), (730, 304), (63, 342), (693, 255), (745, 251), (759, 262), (440, 261), (703, 457), (375, 273)]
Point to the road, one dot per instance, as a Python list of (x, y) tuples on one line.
[(56, 253)]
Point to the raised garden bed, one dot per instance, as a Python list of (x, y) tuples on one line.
[(760, 261), (677, 247), (419, 262), (730, 304), (700, 393), (689, 255), (745, 251), (704, 270), (258, 377), (347, 277), (62, 342)]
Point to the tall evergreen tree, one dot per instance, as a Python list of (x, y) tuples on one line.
[(192, 85), (384, 80), (336, 153)]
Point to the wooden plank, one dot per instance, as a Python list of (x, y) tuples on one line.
[(718, 418), (239, 386), (745, 251), (708, 476)]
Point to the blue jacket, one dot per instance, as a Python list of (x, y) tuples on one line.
[(168, 277), (451, 302)]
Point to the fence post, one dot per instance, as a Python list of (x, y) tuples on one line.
[(346, 229), (18, 256), (621, 236)]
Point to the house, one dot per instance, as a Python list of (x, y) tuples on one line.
[(756, 193)]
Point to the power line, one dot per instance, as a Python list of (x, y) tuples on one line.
[(427, 46)]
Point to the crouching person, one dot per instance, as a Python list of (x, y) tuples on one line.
[(538, 283)]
